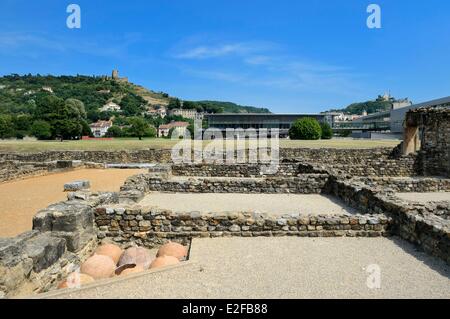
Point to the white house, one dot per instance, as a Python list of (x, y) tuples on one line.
[(181, 127), (110, 106), (100, 128)]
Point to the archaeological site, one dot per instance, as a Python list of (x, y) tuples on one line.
[(207, 230)]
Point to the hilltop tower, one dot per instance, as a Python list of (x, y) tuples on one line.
[(115, 74)]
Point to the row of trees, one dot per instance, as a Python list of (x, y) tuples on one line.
[(137, 127), (310, 129), (56, 118), (52, 118)]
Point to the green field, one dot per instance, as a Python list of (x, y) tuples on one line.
[(135, 144)]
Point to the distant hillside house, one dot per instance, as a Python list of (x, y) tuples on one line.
[(110, 106), (187, 113), (100, 128), (163, 130), (162, 112), (47, 89)]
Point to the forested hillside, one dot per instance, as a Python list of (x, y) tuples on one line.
[(63, 106)]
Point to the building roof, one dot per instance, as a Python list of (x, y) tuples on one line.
[(101, 124), (173, 124)]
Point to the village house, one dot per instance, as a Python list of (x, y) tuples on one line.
[(110, 106), (47, 89), (100, 128), (163, 130), (187, 113)]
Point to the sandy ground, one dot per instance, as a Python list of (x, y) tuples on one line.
[(20, 200), (289, 267), (264, 203), (425, 197)]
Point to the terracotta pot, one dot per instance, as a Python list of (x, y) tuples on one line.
[(164, 261), (136, 255), (110, 250), (75, 280), (99, 267), (173, 249), (133, 270)]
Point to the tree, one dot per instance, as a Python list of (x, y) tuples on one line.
[(140, 128), (306, 128), (114, 131), (66, 118), (85, 129), (41, 130), (6, 126), (174, 104), (76, 107), (22, 122), (327, 132)]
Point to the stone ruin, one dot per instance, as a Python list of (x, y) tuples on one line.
[(427, 131), (66, 233)]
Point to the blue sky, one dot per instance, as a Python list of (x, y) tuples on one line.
[(289, 56)]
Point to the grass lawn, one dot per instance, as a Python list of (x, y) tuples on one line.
[(135, 144)]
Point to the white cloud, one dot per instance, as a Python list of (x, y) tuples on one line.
[(220, 50), (265, 65), (36, 44)]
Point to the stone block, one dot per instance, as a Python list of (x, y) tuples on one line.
[(44, 250), (77, 186)]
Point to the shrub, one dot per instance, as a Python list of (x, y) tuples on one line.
[(327, 132), (305, 129)]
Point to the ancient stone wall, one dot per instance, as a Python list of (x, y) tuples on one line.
[(407, 184), (427, 226), (303, 184), (14, 170), (63, 235), (361, 162), (434, 155), (151, 226)]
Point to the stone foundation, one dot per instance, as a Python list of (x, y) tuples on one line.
[(65, 233), (63, 236), (152, 226)]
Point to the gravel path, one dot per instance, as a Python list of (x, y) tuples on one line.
[(288, 268), (425, 197), (20, 200), (264, 203)]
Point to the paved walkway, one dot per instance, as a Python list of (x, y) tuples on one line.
[(288, 268), (264, 203)]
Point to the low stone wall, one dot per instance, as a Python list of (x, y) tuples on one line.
[(152, 226), (408, 185), (422, 224), (358, 162), (138, 156), (287, 169), (63, 235), (304, 184), (14, 170)]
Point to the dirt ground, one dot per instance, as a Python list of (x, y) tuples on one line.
[(20, 200)]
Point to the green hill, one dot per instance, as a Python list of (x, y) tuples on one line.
[(63, 106), (369, 106), (18, 93)]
